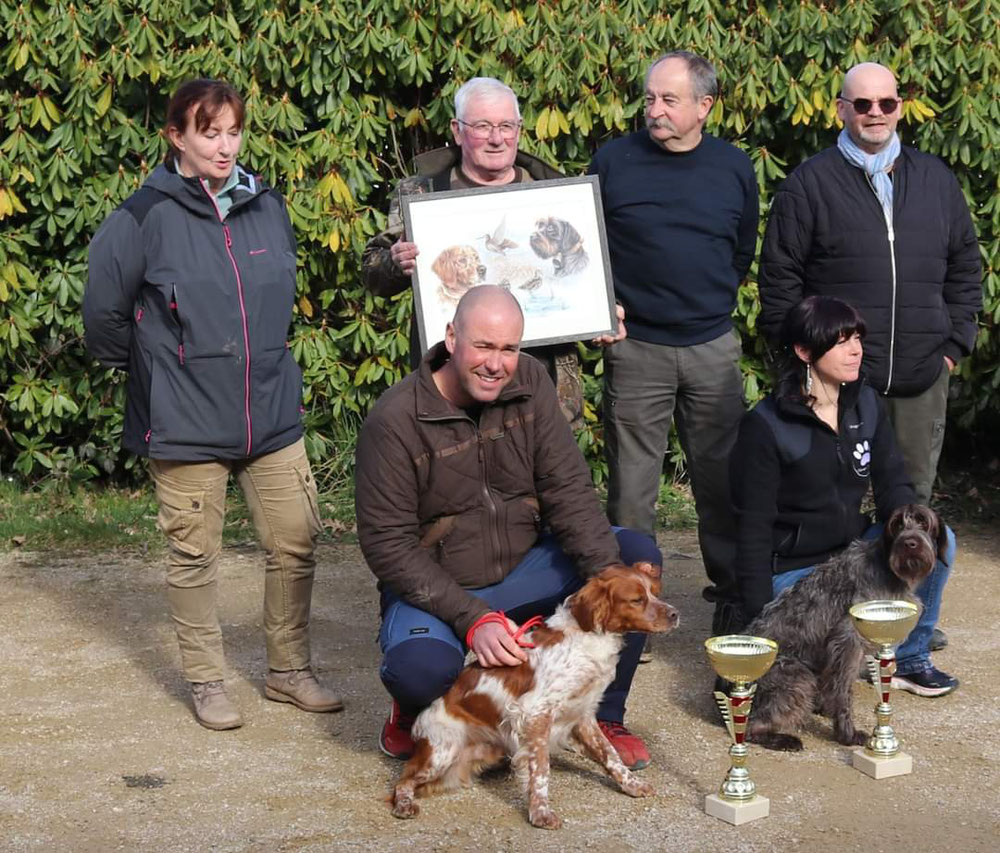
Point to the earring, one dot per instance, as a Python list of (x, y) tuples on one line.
[(809, 380)]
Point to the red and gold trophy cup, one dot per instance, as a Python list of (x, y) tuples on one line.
[(886, 624), (740, 660)]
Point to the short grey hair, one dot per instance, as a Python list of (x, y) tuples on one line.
[(704, 81), (488, 88)]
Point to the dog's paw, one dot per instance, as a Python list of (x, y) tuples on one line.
[(778, 741), (848, 735), (405, 808), (637, 788), (545, 819), (858, 738)]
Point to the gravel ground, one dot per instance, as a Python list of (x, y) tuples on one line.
[(99, 751)]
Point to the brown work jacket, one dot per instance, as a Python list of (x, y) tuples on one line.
[(446, 505)]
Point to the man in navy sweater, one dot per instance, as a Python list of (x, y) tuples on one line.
[(681, 211)]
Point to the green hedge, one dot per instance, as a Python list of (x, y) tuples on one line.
[(341, 95)]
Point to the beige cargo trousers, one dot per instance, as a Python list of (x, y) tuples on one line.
[(281, 495)]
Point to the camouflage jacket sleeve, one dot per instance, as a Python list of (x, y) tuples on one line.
[(381, 276)]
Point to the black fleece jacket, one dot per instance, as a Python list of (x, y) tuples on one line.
[(797, 485)]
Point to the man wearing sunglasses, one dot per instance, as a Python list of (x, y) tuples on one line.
[(486, 130), (887, 229)]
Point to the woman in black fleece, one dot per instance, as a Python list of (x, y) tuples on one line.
[(802, 465)]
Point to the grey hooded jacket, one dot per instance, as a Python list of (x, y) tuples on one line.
[(196, 307)]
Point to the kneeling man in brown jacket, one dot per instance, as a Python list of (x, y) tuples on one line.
[(476, 511)]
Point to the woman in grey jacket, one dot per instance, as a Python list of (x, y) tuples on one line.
[(190, 289)]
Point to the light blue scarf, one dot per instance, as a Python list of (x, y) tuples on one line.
[(876, 165)]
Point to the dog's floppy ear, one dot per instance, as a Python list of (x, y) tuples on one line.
[(570, 236), (653, 572), (942, 535), (893, 525), (443, 267), (650, 569), (591, 606)]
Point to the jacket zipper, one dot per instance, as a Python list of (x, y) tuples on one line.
[(841, 509), (891, 233), (177, 319), (838, 449), (243, 316), (491, 506)]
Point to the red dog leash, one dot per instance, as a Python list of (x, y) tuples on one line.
[(500, 618)]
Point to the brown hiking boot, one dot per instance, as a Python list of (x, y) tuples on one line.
[(300, 687), (213, 708)]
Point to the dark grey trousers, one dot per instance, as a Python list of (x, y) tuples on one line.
[(645, 386), (919, 426)]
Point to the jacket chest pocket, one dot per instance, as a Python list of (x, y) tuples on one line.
[(269, 292), (205, 317), (510, 462)]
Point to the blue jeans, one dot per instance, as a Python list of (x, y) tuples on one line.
[(422, 656), (913, 654)]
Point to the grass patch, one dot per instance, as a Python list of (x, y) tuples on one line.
[(675, 507), (96, 518), (73, 518)]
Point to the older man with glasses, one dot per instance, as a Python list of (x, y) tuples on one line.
[(486, 129), (887, 229)]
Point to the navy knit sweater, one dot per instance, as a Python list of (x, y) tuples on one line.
[(682, 229)]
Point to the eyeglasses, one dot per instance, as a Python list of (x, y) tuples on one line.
[(863, 106), (484, 129)]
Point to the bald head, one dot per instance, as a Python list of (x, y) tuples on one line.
[(489, 300), (484, 344), (869, 106), (866, 75)]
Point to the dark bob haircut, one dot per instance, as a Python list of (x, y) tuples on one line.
[(816, 324), (208, 98)]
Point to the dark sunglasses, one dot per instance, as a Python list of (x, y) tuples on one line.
[(862, 106)]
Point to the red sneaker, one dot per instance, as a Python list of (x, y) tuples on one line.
[(631, 750), (395, 739)]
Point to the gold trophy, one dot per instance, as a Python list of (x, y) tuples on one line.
[(886, 624), (740, 660)]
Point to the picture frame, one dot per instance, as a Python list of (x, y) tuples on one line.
[(544, 241)]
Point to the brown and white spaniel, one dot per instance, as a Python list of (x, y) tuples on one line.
[(550, 700)]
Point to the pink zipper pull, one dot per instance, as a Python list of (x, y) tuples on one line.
[(180, 353), (145, 438), (138, 316), (229, 238)]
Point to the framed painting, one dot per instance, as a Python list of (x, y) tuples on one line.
[(543, 241)]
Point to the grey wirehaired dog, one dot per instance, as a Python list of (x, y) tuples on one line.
[(819, 650), (557, 239)]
